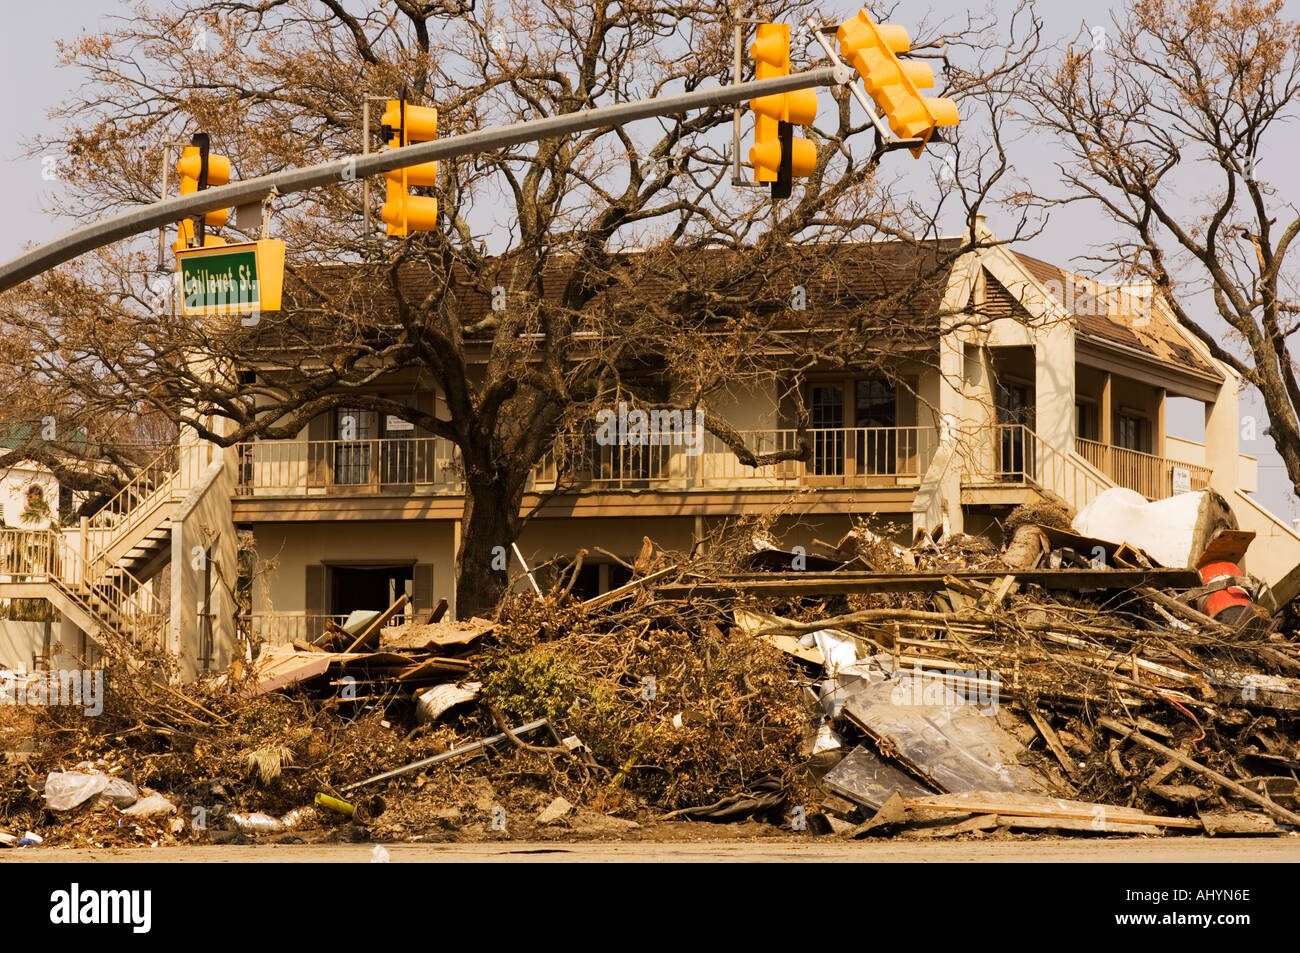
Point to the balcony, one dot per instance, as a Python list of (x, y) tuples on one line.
[(862, 457), (1152, 476)]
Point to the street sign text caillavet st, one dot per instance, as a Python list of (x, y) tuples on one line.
[(231, 279)]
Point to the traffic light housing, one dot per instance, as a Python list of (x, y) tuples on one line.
[(200, 168), (895, 85), (778, 155), (403, 212)]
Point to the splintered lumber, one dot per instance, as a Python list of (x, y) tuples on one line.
[(1004, 588), (843, 583), (1238, 822), (434, 666), (1182, 609), (1241, 790), (372, 631), (1052, 740), (1013, 804), (623, 591)]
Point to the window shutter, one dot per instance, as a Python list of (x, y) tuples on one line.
[(314, 601), (910, 450), (422, 588), (318, 454)]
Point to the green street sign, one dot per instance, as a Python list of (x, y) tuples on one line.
[(231, 279)]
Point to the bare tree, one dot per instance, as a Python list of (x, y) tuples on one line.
[(1178, 122), (609, 255)]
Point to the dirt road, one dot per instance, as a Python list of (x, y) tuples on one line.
[(769, 850)]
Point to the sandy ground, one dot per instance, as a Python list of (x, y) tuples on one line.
[(769, 850)]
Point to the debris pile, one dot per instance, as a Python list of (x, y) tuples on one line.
[(1056, 682)]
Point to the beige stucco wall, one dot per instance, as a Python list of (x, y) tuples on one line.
[(296, 545), (21, 642), (202, 532), (746, 407), (545, 539), (1129, 394)]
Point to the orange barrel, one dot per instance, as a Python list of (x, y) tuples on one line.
[(1231, 604)]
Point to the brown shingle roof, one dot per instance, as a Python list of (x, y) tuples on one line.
[(1116, 318), (900, 280)]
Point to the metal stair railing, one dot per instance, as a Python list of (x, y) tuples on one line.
[(139, 498), (122, 603)]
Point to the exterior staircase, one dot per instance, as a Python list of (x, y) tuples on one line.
[(44, 564), (129, 535), (95, 576), (1015, 458)]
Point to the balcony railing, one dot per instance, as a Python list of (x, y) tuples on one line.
[(343, 467), (857, 457), (282, 628), (1149, 475)]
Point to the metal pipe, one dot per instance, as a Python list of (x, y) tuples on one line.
[(737, 65), (43, 257), (365, 151), (463, 749)]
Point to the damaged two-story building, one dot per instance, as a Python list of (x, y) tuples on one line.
[(1034, 383)]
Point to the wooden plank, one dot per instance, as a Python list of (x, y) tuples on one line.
[(1228, 546), (372, 631), (434, 666), (1010, 804), (625, 590), (1053, 741), (843, 583), (439, 611), (1005, 587), (1182, 609), (1241, 790)]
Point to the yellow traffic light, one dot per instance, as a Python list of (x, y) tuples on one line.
[(403, 212), (778, 155), (895, 85), (199, 169)]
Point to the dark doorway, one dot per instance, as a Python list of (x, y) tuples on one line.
[(1015, 412), (828, 430), (367, 587), (876, 416), (352, 431)]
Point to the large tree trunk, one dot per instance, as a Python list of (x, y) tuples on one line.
[(488, 528)]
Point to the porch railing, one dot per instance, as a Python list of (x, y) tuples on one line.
[(1013, 453), (324, 467), (862, 456), (1146, 473), (282, 628)]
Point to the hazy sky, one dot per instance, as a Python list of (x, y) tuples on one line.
[(28, 68)]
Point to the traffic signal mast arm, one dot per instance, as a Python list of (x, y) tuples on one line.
[(168, 211)]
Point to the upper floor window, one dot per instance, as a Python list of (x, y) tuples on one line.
[(1086, 424), (1133, 433)]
